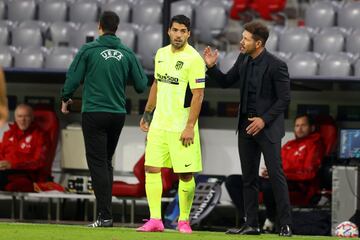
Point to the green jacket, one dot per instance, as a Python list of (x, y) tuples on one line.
[(104, 66)]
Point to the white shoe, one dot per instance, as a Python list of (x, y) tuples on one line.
[(268, 226)]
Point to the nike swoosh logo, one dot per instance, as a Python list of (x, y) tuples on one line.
[(186, 165), (185, 190), (160, 61)]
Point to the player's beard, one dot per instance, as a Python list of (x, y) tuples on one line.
[(178, 44)]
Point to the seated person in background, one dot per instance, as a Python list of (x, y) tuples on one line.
[(301, 160), (4, 112), (22, 152)]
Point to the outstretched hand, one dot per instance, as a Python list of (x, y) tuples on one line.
[(210, 56), (64, 106)]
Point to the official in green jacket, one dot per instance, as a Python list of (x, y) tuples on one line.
[(104, 67)]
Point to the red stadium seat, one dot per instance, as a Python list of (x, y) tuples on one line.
[(266, 8), (121, 188), (238, 7)]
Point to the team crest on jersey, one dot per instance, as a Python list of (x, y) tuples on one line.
[(111, 53), (179, 65)]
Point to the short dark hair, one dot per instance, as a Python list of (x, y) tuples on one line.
[(258, 30), (181, 19), (109, 21), (309, 118)]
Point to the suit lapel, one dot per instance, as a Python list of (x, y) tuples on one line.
[(242, 72), (260, 74)]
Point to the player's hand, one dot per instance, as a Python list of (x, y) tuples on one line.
[(264, 173), (187, 136), (64, 106), (144, 125), (210, 57), (4, 114), (256, 125), (4, 165)]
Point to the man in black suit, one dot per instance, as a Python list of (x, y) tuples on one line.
[(264, 96)]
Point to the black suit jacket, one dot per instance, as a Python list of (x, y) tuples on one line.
[(273, 90)]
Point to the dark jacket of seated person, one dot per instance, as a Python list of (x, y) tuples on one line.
[(22, 152)]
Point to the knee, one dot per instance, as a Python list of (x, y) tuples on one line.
[(185, 177), (150, 169)]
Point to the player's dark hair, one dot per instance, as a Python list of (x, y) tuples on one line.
[(181, 19)]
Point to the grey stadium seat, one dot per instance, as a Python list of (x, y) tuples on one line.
[(182, 7), (84, 11), (349, 15), (329, 40), (210, 20), (27, 36), (149, 41), (147, 13), (2, 9), (77, 39), (357, 68), (53, 10), (335, 65), (295, 40), (272, 41), (303, 64), (228, 61), (21, 10), (353, 42), (6, 56), (320, 14), (121, 8), (282, 55), (4, 34), (59, 58), (127, 34), (60, 32), (34, 24), (29, 58)]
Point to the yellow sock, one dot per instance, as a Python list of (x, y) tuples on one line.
[(153, 187), (186, 193)]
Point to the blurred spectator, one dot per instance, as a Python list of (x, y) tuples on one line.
[(301, 159), (23, 151)]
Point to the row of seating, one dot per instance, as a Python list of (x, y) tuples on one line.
[(325, 40), (309, 64), (331, 13)]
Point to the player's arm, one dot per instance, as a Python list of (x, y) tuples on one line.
[(187, 136), (149, 108)]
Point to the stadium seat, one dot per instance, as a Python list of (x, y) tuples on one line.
[(27, 36), (53, 11), (34, 24), (149, 41), (357, 68), (335, 65), (239, 7), (267, 9), (60, 32), (122, 8), (2, 10), (21, 10), (349, 15), (295, 40), (210, 21), (6, 56), (78, 38), (49, 123), (329, 40), (4, 34), (284, 56), (182, 7), (127, 34), (272, 42), (147, 13), (320, 14), (83, 11), (59, 58), (121, 188), (29, 58), (303, 64), (228, 61), (353, 42)]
